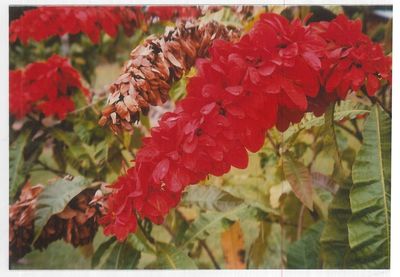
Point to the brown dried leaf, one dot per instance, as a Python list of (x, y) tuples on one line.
[(232, 243)]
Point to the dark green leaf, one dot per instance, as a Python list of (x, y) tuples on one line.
[(304, 253), (17, 176), (369, 225), (122, 256), (98, 254), (334, 238)]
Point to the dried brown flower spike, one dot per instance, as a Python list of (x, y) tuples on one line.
[(153, 68), (76, 224), (21, 218)]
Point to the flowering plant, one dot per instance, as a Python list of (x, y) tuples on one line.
[(228, 127)]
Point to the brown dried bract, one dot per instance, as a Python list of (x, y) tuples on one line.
[(153, 68), (21, 215), (76, 224)]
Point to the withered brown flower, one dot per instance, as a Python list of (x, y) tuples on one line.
[(153, 68)]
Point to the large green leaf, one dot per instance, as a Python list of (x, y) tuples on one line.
[(304, 253), (169, 257), (369, 225), (17, 176), (55, 197), (299, 177), (334, 238), (211, 198)]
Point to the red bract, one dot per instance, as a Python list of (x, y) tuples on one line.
[(44, 86), (271, 77), (352, 60), (44, 22)]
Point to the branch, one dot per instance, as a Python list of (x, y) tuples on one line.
[(375, 100), (148, 236), (300, 221), (48, 168), (209, 253), (356, 134), (202, 243)]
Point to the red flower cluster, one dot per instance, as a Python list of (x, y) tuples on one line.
[(272, 76), (172, 12), (44, 22), (45, 87), (352, 59)]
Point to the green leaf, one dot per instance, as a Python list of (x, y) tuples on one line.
[(304, 253), (331, 144), (17, 176), (139, 242), (369, 225), (112, 254), (98, 254), (299, 178), (169, 257), (211, 198), (54, 198), (334, 238), (209, 220), (123, 256), (347, 109), (259, 246)]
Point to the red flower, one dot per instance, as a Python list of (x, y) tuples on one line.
[(272, 76), (43, 22), (19, 103), (44, 86), (352, 59)]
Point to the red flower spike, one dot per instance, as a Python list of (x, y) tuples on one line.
[(271, 77), (44, 22), (45, 87)]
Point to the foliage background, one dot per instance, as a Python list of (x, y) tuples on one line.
[(248, 218)]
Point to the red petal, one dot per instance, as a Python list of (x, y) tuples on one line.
[(313, 60), (160, 170), (289, 52), (190, 144), (267, 69), (333, 80), (234, 90), (238, 157), (372, 84)]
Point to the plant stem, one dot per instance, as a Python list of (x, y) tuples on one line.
[(48, 168), (300, 221), (350, 131), (274, 145), (375, 100), (88, 106), (202, 243), (209, 253), (148, 236)]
